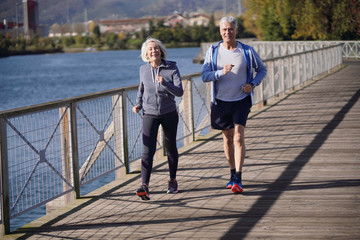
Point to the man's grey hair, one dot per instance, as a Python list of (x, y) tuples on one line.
[(229, 19)]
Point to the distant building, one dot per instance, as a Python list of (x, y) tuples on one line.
[(9, 25), (29, 22), (199, 19), (125, 25), (132, 25), (31, 17), (138, 24), (187, 20), (174, 19)]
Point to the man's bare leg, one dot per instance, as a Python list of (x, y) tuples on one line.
[(239, 156), (228, 140), (239, 147)]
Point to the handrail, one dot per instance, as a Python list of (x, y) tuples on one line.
[(61, 102), (271, 49)]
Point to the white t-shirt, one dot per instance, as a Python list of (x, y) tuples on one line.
[(228, 87)]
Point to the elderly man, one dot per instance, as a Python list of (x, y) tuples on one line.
[(229, 65)]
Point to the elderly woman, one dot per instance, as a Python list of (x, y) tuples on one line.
[(160, 82)]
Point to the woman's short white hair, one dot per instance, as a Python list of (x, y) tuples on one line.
[(229, 19), (144, 49)]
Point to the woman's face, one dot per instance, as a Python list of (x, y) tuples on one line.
[(153, 52)]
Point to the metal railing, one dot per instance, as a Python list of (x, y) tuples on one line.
[(284, 73), (49, 150), (351, 49), (272, 49)]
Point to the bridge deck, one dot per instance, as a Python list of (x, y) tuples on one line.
[(301, 179)]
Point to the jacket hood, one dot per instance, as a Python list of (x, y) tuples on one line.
[(166, 63)]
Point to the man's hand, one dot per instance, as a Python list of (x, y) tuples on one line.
[(227, 68), (247, 87)]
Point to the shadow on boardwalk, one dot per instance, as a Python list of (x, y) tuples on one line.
[(301, 179)]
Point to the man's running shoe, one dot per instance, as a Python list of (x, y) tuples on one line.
[(143, 192), (173, 186), (231, 182), (237, 186)]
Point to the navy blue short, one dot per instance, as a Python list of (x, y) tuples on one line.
[(225, 114)]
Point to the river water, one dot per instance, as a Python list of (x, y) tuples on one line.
[(34, 79)]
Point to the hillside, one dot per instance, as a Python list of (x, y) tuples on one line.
[(55, 11)]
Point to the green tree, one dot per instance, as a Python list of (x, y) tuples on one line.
[(252, 16), (67, 41), (111, 40), (164, 34), (160, 24), (212, 33), (4, 46), (152, 28), (308, 19), (88, 41), (20, 44), (269, 19), (96, 32), (269, 23), (180, 34), (133, 43), (197, 34), (284, 14), (242, 32), (79, 40)]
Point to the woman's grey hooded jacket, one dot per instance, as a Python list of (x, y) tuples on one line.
[(155, 98)]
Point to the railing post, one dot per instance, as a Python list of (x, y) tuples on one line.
[(187, 110), (162, 139), (282, 78), (271, 83), (290, 74), (74, 149), (191, 104), (209, 103), (125, 152), (5, 201), (119, 126), (313, 64), (65, 135), (160, 144), (297, 72)]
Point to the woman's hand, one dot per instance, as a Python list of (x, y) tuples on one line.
[(160, 79), (136, 109)]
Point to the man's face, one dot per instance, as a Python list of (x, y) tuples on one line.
[(228, 32)]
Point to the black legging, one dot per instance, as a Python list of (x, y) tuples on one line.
[(151, 125)]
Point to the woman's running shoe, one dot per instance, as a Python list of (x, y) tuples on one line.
[(143, 192), (173, 186)]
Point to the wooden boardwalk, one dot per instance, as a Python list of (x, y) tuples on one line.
[(301, 179)]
